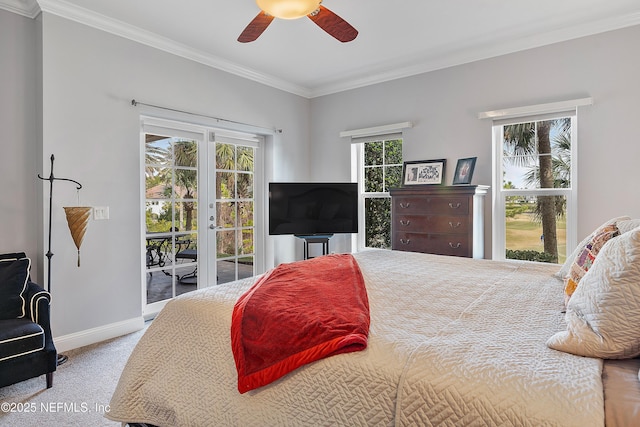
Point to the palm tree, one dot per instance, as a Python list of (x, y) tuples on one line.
[(186, 154), (524, 142)]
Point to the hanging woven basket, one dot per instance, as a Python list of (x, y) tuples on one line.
[(78, 220)]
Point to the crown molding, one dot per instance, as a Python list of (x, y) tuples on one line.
[(92, 19), (28, 8), (497, 45), (464, 54)]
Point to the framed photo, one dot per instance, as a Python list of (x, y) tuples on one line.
[(464, 171), (421, 172)]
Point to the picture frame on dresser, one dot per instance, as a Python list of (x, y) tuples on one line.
[(464, 171), (423, 172)]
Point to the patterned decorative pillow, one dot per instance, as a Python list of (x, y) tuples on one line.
[(564, 270), (14, 275), (604, 313), (585, 259)]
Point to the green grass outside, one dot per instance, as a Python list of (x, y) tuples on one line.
[(523, 233)]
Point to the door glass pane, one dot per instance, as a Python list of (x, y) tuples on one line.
[(245, 267), (226, 243), (245, 244), (171, 210), (245, 213), (245, 186), (226, 214), (226, 185)]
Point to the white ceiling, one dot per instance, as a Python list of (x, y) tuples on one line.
[(396, 38)]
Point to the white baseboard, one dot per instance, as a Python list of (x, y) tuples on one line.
[(92, 336)]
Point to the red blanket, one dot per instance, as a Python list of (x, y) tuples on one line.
[(296, 314)]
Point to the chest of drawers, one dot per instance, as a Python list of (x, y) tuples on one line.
[(439, 219)]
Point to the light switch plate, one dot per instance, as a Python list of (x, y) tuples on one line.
[(100, 212)]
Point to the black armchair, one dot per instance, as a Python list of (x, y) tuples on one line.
[(26, 343)]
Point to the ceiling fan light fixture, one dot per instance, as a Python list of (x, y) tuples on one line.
[(288, 9)]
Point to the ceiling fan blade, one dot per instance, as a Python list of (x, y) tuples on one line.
[(255, 27), (333, 24)]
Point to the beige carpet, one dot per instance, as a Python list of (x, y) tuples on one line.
[(82, 388)]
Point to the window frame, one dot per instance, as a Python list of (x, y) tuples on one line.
[(500, 194), (358, 175)]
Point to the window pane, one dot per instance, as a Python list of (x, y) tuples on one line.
[(245, 245), (393, 152), (245, 185), (537, 154), (245, 212), (245, 159), (373, 179), (186, 216), (378, 222), (225, 156), (186, 184), (245, 267), (525, 238), (373, 153), (155, 182), (158, 216), (157, 150), (393, 177), (226, 185), (185, 153), (226, 243), (226, 214)]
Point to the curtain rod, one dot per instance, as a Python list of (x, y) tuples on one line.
[(219, 119)]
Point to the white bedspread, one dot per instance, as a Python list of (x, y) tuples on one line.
[(453, 341)]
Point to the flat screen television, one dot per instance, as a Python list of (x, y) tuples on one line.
[(313, 208)]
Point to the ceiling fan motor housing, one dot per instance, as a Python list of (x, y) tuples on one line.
[(288, 9)]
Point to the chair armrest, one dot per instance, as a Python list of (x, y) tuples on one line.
[(38, 310), (37, 303)]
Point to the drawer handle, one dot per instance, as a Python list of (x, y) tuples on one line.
[(403, 222), (456, 206), (456, 246), (454, 226), (405, 242), (405, 205)]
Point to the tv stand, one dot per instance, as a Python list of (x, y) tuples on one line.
[(322, 239)]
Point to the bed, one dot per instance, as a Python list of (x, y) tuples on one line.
[(452, 341)]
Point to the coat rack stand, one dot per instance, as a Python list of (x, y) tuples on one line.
[(61, 357)]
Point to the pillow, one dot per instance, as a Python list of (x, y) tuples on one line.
[(628, 225), (604, 312), (564, 270), (587, 256), (14, 275), (14, 255)]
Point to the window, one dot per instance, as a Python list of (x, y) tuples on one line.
[(376, 165), (379, 167), (535, 187)]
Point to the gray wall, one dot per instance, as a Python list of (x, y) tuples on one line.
[(443, 106), (88, 78), (18, 165), (82, 114)]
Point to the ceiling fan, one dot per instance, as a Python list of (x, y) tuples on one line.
[(294, 9)]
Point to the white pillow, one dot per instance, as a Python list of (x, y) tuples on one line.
[(566, 267), (628, 225), (603, 315)]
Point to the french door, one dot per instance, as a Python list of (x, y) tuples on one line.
[(200, 208), (232, 229)]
